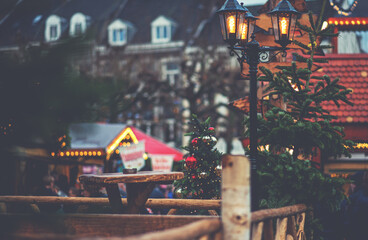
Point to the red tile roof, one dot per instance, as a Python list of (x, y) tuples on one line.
[(353, 72)]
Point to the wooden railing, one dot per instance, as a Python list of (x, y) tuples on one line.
[(151, 202), (289, 223), (236, 222)]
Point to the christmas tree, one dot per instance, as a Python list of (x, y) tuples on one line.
[(202, 164)]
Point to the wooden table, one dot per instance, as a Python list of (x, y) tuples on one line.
[(139, 186)]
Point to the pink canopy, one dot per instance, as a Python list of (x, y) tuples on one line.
[(154, 146)]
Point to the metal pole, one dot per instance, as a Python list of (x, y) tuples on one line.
[(252, 51)]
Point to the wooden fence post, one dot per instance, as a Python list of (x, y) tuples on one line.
[(236, 215)]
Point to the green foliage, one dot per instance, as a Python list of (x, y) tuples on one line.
[(305, 126), (302, 128), (284, 181), (203, 179)]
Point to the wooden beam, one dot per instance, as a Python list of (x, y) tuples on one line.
[(151, 202), (235, 208), (265, 214), (92, 225)]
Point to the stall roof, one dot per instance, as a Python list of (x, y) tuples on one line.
[(106, 136), (93, 135), (155, 146)]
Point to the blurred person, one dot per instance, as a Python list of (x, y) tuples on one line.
[(356, 212), (48, 189)]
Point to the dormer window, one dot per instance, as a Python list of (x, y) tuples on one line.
[(78, 24), (53, 28), (120, 32), (162, 29), (53, 32)]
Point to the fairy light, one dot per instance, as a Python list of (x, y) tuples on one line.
[(341, 11)]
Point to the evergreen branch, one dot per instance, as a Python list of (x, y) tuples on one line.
[(304, 27), (310, 15), (299, 58), (300, 44)]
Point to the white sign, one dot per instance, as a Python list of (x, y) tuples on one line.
[(132, 155), (162, 162)]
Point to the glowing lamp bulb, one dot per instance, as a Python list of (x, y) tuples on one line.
[(284, 27), (231, 24), (244, 30)]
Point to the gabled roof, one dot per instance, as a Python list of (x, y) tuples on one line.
[(93, 135), (187, 14), (353, 72)]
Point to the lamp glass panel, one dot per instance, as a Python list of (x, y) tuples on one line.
[(223, 26), (292, 26), (252, 23), (275, 26)]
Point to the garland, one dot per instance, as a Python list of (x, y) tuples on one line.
[(342, 11)]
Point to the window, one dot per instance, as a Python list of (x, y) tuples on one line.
[(118, 35), (78, 24), (171, 73), (120, 32), (161, 32), (162, 29), (78, 29), (53, 32), (53, 28)]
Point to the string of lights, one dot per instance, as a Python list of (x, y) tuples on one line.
[(340, 10)]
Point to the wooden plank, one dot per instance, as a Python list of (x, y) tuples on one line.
[(257, 230), (151, 202), (235, 207), (103, 225), (291, 227), (143, 176), (281, 226), (268, 229), (301, 221), (262, 215)]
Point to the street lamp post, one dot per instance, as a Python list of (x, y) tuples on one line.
[(237, 28)]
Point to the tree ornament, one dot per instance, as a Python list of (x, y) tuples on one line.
[(178, 193), (218, 170), (195, 141), (206, 139), (203, 175), (194, 177), (214, 139), (212, 129), (191, 162)]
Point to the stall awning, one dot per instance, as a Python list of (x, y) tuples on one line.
[(155, 146)]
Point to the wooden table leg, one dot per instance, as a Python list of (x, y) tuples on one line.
[(137, 194), (114, 198)]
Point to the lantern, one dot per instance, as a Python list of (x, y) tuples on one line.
[(247, 28), (232, 21), (283, 18)]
